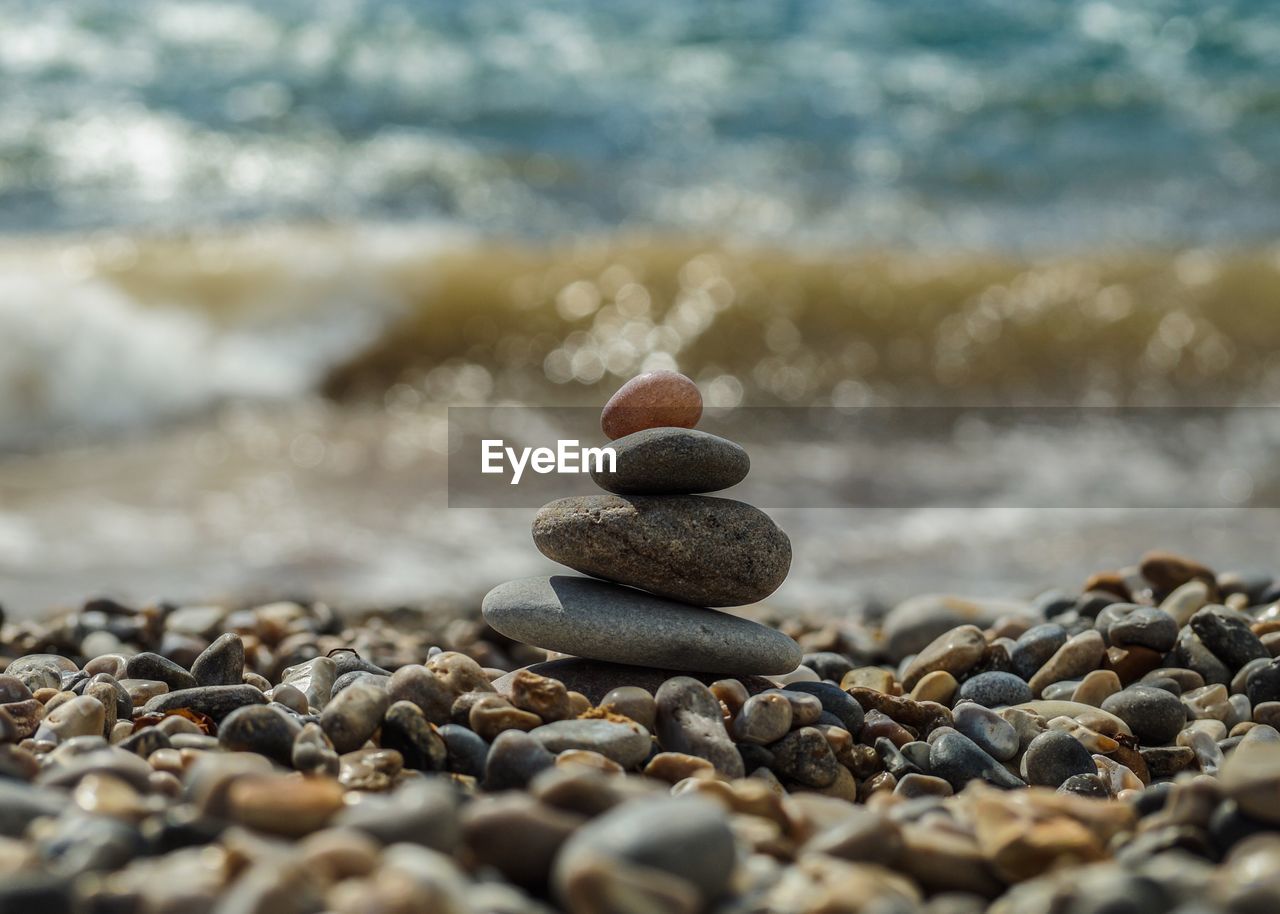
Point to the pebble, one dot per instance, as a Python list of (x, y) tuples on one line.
[(670, 854), (994, 689), (633, 702), (260, 728), (215, 701), (989, 730), (406, 730), (467, 752), (314, 679), (1228, 636), (1035, 646), (518, 836), (626, 743), (693, 549), (82, 716), (514, 758), (151, 666), (285, 805), (958, 760), (1145, 626), (602, 621), (672, 461), (1080, 655), (221, 663), (764, 719), (835, 701), (955, 651), (655, 399), (352, 716), (540, 695), (939, 686), (1096, 687), (1190, 652), (1153, 715), (805, 756), (313, 753), (689, 720), (1055, 756)]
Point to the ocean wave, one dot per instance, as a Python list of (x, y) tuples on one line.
[(112, 332)]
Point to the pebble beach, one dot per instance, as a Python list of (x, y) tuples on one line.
[(620, 743)]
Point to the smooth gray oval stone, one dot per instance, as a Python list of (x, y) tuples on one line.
[(626, 744), (603, 621), (673, 461), (692, 548)]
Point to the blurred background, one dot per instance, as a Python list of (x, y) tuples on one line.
[(249, 252)]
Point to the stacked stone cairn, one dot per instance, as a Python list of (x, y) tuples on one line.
[(660, 553)]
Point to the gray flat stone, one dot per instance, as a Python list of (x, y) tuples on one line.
[(673, 461), (597, 678), (603, 621), (692, 548)]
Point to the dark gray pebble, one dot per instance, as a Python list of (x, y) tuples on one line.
[(406, 729), (1154, 715), (995, 689), (1190, 652), (216, 701), (514, 758), (1263, 684), (805, 756), (827, 664), (1145, 626), (152, 666), (265, 729), (467, 750), (1228, 636), (673, 461), (1054, 756), (1036, 645), (221, 663), (835, 701), (958, 760)]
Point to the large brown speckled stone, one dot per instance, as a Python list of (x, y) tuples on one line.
[(692, 548)]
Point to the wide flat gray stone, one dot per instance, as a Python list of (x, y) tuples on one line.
[(604, 621), (673, 461), (692, 548)]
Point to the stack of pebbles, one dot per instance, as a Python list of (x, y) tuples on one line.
[(659, 553)]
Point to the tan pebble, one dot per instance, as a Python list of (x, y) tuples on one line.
[(338, 854), (105, 795), (1243, 727), (370, 769), (164, 784), (656, 399), (540, 695), (1117, 777), (884, 782), (171, 760), (45, 695), (459, 672), (674, 767), (869, 677), (121, 731), (1112, 582), (633, 702), (1020, 845), (731, 693), (939, 686), (956, 651), (1167, 572), (769, 780), (1095, 687), (579, 704), (585, 758), (1080, 655), (844, 787), (838, 738), (492, 714), (82, 715), (1186, 601), (288, 805), (1210, 702), (1215, 729)]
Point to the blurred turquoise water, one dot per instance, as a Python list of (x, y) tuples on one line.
[(974, 123)]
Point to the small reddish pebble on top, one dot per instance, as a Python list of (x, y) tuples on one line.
[(657, 399)]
